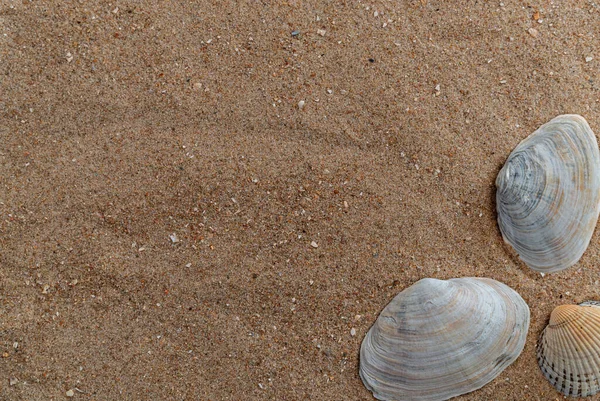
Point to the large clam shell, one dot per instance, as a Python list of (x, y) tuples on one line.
[(548, 194), (439, 339), (568, 349)]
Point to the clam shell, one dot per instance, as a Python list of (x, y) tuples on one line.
[(548, 194), (568, 349), (438, 339)]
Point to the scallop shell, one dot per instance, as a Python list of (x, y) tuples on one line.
[(548, 194), (438, 339), (568, 350)]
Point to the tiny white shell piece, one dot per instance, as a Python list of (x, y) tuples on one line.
[(439, 339), (568, 349), (548, 194)]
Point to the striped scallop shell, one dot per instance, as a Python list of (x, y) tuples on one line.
[(439, 339), (568, 350), (548, 194)]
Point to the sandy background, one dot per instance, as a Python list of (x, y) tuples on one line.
[(124, 123)]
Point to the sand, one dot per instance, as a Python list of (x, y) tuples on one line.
[(161, 188)]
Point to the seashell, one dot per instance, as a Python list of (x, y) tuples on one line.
[(548, 194), (438, 339), (568, 349)]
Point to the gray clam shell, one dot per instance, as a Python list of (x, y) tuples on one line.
[(548, 194), (438, 339)]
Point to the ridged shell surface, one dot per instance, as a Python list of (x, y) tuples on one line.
[(438, 339), (548, 194), (568, 349)]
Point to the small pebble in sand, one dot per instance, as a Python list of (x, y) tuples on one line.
[(69, 57), (173, 238), (301, 104), (353, 332), (12, 381), (329, 91), (295, 33), (70, 393), (261, 386), (588, 59), (533, 32), (314, 244), (321, 32)]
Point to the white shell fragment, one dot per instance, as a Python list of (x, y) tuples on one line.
[(438, 339), (548, 194), (568, 350)]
